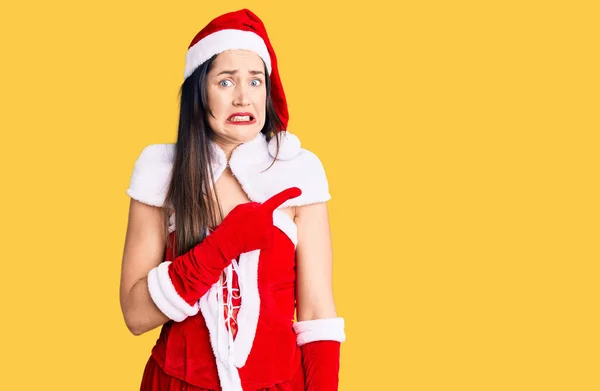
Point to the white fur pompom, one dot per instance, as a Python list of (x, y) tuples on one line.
[(289, 145)]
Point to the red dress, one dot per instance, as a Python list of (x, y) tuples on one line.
[(262, 350), (183, 358), (155, 378)]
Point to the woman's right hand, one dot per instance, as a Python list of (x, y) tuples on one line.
[(249, 226), (176, 287)]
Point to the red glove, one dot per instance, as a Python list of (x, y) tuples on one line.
[(321, 361), (320, 341), (176, 286)]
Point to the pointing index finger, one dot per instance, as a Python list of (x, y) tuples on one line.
[(278, 199)]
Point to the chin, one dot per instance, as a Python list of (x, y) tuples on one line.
[(244, 134)]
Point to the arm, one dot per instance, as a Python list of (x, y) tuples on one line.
[(314, 263), (319, 330), (144, 249), (149, 285), (152, 291)]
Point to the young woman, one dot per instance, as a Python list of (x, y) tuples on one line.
[(228, 235)]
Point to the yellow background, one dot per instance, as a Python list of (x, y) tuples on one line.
[(460, 141)]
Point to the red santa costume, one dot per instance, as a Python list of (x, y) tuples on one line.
[(232, 325)]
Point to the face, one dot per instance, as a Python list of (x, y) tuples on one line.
[(236, 87)]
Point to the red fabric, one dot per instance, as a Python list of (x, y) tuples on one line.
[(321, 361), (155, 379), (194, 272), (244, 229), (236, 301), (183, 350)]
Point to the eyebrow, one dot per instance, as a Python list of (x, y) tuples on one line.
[(233, 72)]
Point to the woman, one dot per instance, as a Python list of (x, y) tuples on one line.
[(228, 232)]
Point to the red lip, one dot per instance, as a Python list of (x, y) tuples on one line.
[(241, 114)]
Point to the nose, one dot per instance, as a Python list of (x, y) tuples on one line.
[(240, 97)]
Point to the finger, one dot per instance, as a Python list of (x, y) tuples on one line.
[(275, 201)]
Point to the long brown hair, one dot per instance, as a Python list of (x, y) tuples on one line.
[(191, 172)]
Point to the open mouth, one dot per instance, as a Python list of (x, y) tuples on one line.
[(240, 118)]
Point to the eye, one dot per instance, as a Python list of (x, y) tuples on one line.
[(224, 81), (259, 82)]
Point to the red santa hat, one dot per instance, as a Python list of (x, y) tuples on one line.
[(242, 29)]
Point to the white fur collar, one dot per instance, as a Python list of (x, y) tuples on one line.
[(248, 162)]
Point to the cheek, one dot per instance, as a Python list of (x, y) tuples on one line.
[(262, 104), (216, 102)]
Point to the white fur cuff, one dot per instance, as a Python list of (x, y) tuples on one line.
[(319, 330), (165, 296)]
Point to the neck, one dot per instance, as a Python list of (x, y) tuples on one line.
[(249, 151), (226, 147)]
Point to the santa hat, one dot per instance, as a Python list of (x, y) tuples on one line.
[(242, 29)]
